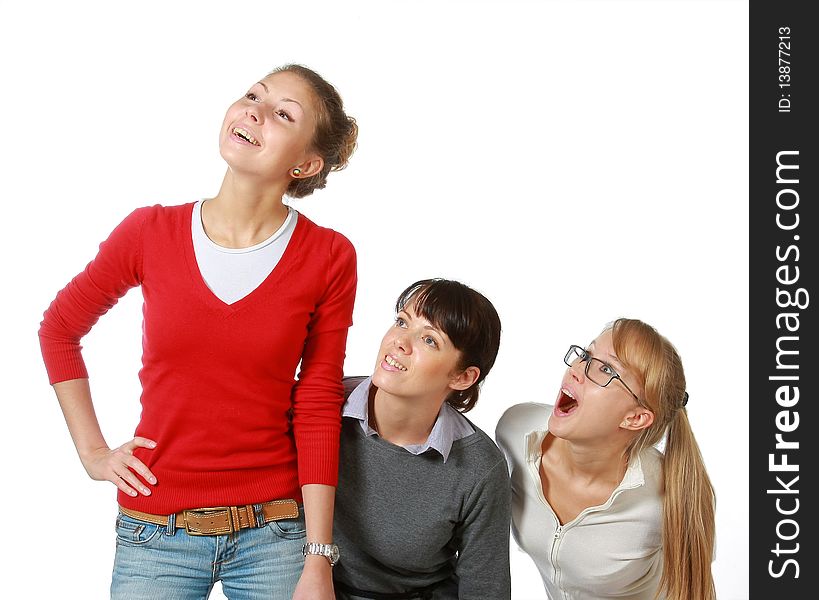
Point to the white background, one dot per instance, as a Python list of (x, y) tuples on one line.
[(575, 161)]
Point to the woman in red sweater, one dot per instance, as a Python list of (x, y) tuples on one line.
[(232, 471)]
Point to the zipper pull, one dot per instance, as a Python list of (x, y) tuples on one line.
[(558, 531)]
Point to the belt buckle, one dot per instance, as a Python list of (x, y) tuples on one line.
[(204, 513)]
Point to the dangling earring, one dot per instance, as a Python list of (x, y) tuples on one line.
[(296, 172)]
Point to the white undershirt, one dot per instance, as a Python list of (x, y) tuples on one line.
[(233, 273)]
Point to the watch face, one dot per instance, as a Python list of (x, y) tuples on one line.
[(334, 554)]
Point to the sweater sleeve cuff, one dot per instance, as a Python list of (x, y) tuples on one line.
[(63, 364), (317, 452)]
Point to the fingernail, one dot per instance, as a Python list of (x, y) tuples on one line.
[(146, 491), (152, 444), (152, 479), (132, 493)]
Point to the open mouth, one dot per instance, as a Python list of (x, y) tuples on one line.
[(244, 134), (566, 403), (394, 363)]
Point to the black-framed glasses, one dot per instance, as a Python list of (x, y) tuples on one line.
[(597, 371)]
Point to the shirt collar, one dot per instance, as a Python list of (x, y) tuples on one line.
[(450, 425)]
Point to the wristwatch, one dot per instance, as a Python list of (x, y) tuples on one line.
[(328, 551)]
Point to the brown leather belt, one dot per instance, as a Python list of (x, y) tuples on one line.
[(221, 520)]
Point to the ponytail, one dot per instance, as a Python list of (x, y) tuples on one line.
[(688, 516), (688, 502)]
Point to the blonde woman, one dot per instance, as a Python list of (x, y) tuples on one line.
[(599, 509)]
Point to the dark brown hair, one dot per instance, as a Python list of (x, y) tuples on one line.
[(334, 138), (470, 321)]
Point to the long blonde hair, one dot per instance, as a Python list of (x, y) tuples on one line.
[(689, 501)]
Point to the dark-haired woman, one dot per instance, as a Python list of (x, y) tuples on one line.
[(229, 458), (423, 501)]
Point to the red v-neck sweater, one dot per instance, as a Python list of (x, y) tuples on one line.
[(218, 379)]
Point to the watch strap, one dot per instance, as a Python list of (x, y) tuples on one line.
[(328, 551)]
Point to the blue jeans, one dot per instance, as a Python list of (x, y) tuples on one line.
[(154, 562)]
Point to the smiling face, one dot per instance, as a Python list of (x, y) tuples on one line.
[(417, 360), (585, 411), (268, 132)]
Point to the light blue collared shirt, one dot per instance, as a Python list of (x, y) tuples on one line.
[(450, 425)]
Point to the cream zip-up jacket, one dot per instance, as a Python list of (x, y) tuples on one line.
[(609, 551)]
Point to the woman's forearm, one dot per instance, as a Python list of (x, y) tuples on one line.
[(319, 502), (74, 397), (119, 466), (316, 582)]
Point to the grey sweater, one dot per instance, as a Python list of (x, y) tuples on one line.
[(404, 522)]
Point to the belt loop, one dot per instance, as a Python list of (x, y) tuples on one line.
[(251, 516), (258, 512), (170, 528)]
